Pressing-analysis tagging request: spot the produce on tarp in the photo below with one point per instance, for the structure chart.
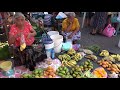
(100, 72)
(4, 51)
(91, 57)
(50, 72)
(109, 66)
(37, 73)
(87, 51)
(116, 57)
(94, 48)
(71, 52)
(87, 65)
(63, 72)
(104, 53)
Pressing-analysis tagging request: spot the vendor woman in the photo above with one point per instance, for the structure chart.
(71, 27)
(21, 27)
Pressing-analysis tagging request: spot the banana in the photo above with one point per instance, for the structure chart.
(22, 47)
(104, 53)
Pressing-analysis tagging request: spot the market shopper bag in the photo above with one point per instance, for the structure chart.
(109, 31)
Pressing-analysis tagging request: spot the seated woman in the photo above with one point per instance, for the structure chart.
(21, 27)
(71, 27)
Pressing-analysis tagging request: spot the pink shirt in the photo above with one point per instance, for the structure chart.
(15, 30)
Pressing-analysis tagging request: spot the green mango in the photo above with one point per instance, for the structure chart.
(63, 72)
(74, 75)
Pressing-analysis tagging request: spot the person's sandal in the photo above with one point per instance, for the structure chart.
(92, 33)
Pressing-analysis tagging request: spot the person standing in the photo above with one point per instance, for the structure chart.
(99, 21)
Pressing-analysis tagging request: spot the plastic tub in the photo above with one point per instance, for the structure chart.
(58, 41)
(53, 33)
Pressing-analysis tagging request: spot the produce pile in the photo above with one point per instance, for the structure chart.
(4, 50)
(63, 72)
(71, 58)
(79, 64)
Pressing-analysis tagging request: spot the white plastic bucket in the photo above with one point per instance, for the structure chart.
(49, 46)
(58, 40)
(53, 33)
(58, 48)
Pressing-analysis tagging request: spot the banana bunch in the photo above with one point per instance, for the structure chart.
(110, 58)
(71, 52)
(86, 51)
(22, 47)
(64, 57)
(104, 53)
(118, 65)
(116, 57)
(91, 57)
(77, 57)
(70, 63)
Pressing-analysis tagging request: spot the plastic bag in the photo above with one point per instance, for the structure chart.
(109, 31)
(22, 43)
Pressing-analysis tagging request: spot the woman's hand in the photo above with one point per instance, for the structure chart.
(30, 35)
(70, 36)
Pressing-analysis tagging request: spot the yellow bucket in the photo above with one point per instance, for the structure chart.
(6, 66)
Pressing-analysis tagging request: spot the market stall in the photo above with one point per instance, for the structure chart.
(65, 60)
(87, 62)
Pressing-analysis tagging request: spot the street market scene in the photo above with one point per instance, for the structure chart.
(59, 44)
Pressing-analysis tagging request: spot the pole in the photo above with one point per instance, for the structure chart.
(83, 19)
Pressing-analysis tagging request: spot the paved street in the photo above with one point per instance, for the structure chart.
(109, 44)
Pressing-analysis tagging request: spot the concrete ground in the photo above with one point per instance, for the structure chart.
(110, 44)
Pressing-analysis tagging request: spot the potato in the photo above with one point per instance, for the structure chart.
(47, 72)
(114, 66)
(50, 76)
(108, 68)
(113, 69)
(50, 70)
(54, 75)
(100, 63)
(104, 66)
(104, 63)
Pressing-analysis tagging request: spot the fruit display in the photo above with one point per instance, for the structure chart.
(71, 52)
(26, 76)
(116, 57)
(87, 65)
(76, 57)
(91, 57)
(109, 66)
(118, 65)
(87, 51)
(63, 72)
(88, 74)
(4, 50)
(109, 58)
(70, 63)
(100, 73)
(94, 48)
(104, 53)
(76, 72)
(50, 72)
(37, 73)
(64, 57)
